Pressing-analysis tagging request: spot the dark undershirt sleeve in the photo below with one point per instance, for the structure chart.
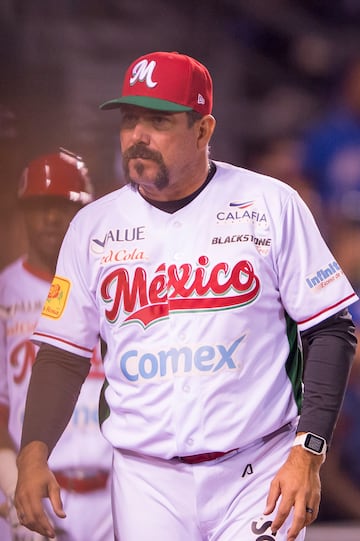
(55, 384)
(329, 350)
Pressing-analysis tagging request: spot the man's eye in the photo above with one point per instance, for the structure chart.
(160, 120)
(128, 120)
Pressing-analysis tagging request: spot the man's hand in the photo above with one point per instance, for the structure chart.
(4, 509)
(298, 484)
(18, 532)
(35, 482)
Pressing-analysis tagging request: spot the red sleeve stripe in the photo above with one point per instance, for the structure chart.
(61, 340)
(353, 295)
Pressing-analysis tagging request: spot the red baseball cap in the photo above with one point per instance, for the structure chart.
(166, 81)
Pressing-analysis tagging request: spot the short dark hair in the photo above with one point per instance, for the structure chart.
(193, 116)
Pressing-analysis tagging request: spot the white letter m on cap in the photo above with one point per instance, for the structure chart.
(143, 71)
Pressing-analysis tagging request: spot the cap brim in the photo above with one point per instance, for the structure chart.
(146, 102)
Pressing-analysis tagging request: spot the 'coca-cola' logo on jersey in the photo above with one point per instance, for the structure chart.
(178, 288)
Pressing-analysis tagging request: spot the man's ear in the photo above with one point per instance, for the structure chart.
(206, 128)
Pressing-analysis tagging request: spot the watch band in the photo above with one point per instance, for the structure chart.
(311, 442)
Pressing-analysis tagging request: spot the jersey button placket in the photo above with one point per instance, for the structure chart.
(177, 254)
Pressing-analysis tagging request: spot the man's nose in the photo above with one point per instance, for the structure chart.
(140, 133)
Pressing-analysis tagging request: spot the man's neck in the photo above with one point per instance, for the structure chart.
(184, 187)
(177, 204)
(40, 265)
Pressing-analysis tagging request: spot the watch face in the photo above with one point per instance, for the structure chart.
(314, 443)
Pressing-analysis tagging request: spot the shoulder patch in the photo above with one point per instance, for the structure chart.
(57, 297)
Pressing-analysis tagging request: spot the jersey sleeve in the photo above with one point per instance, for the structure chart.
(4, 391)
(312, 284)
(69, 317)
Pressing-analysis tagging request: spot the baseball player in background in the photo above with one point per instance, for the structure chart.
(199, 276)
(53, 188)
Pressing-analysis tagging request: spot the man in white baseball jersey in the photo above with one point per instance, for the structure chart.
(53, 188)
(198, 276)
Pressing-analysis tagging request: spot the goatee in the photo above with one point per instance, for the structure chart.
(139, 150)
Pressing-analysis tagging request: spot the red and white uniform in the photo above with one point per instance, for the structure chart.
(82, 450)
(199, 309)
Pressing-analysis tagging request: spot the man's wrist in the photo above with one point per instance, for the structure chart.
(312, 443)
(36, 450)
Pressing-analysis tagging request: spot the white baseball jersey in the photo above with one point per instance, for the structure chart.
(22, 296)
(200, 310)
(82, 446)
(5, 534)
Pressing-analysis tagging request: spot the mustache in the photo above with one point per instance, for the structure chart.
(142, 151)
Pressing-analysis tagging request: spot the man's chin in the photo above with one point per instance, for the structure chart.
(160, 183)
(139, 175)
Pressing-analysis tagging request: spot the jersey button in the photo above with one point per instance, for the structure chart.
(186, 388)
(190, 441)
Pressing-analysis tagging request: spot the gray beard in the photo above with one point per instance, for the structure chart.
(161, 182)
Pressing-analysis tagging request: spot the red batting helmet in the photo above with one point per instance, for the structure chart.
(61, 174)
